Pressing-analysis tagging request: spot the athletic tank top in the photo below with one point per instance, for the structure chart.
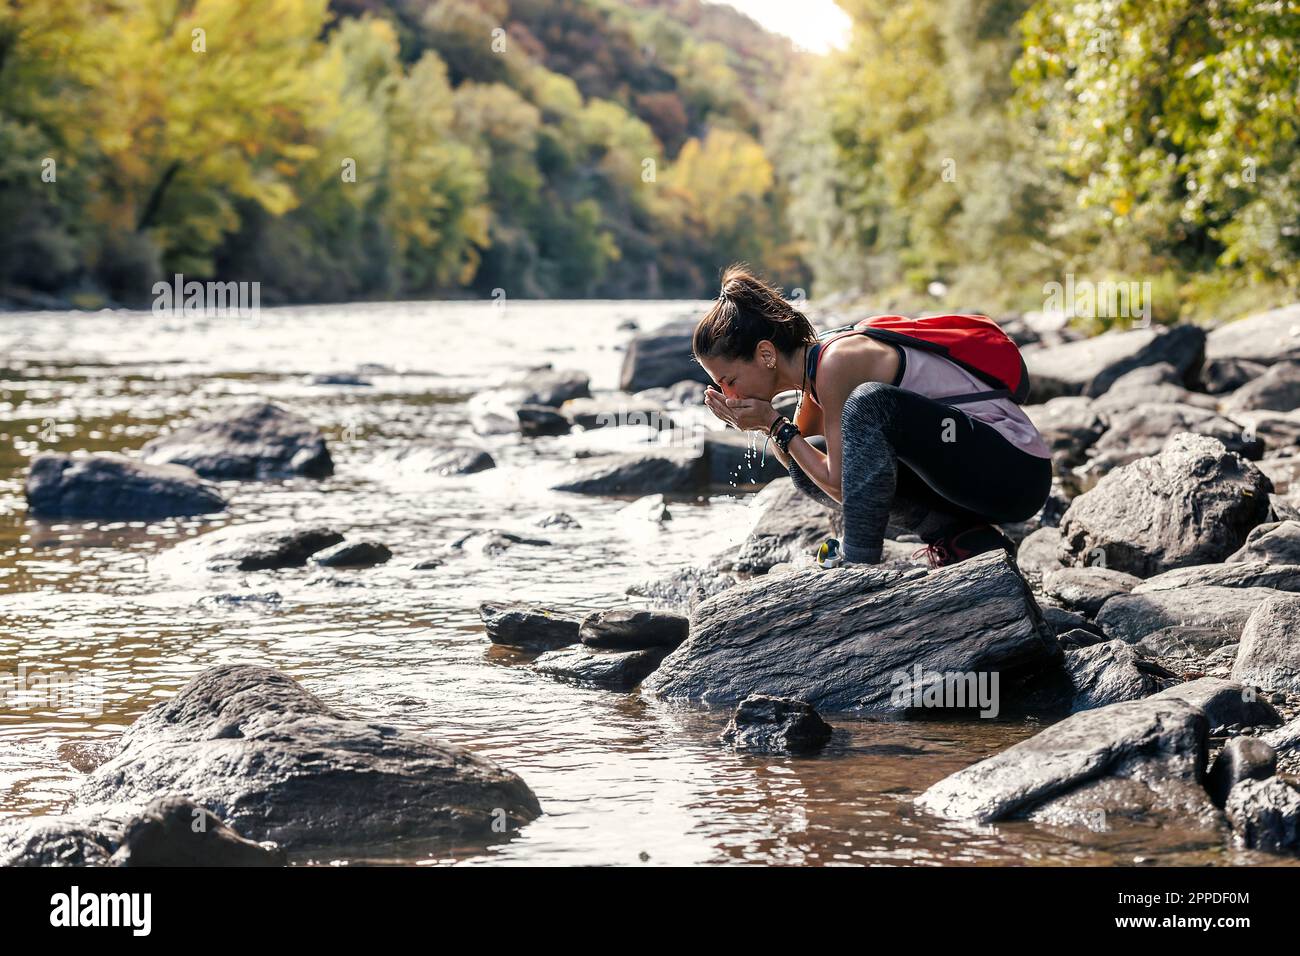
(933, 376)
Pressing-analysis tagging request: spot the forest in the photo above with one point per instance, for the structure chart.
(956, 151)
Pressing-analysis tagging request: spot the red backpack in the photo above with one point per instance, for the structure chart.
(974, 342)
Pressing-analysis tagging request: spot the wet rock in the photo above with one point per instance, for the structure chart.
(557, 519)
(1144, 430)
(1266, 337)
(846, 639)
(1040, 553)
(1060, 621)
(661, 358)
(1090, 366)
(611, 670)
(1182, 642)
(85, 755)
(263, 546)
(1086, 589)
(1242, 758)
(1225, 703)
(552, 387)
(736, 458)
(536, 421)
(492, 543)
(64, 840)
(1270, 650)
(678, 395)
(1284, 508)
(1276, 543)
(1284, 472)
(1284, 739)
(107, 485)
(1069, 424)
(445, 461)
(257, 600)
(790, 525)
(1247, 574)
(528, 625)
(615, 411)
(1131, 617)
(260, 440)
(174, 831)
(1154, 743)
(638, 630)
(354, 554)
(1265, 815)
(1194, 503)
(429, 564)
(1107, 674)
(274, 762)
(633, 474)
(775, 725)
(683, 589)
(1278, 389)
(649, 508)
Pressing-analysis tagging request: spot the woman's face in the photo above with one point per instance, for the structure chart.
(742, 378)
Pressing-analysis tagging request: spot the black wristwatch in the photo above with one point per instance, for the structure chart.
(786, 434)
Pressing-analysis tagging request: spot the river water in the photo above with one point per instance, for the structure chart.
(622, 780)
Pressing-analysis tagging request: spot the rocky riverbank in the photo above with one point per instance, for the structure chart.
(1148, 617)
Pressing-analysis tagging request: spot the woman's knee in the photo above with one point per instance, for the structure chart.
(871, 404)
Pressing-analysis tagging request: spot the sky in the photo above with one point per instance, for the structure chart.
(816, 25)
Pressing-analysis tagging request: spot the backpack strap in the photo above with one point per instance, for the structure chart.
(815, 355)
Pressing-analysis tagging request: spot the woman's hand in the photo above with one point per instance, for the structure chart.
(747, 414)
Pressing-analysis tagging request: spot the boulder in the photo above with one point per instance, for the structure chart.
(1242, 758)
(1159, 384)
(1277, 389)
(776, 725)
(1086, 589)
(529, 626)
(1283, 472)
(112, 486)
(1220, 376)
(70, 839)
(633, 474)
(445, 461)
(1144, 753)
(1266, 337)
(683, 589)
(611, 670)
(1131, 617)
(1225, 703)
(262, 546)
(1269, 655)
(1245, 574)
(1265, 815)
(174, 831)
(551, 387)
(1194, 503)
(661, 358)
(678, 395)
(1040, 553)
(1183, 642)
(1069, 424)
(633, 630)
(1144, 430)
(274, 762)
(353, 554)
(1090, 366)
(858, 637)
(536, 421)
(1278, 431)
(259, 440)
(1284, 739)
(1276, 543)
(1107, 673)
(790, 525)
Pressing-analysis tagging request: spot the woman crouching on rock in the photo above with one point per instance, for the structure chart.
(920, 423)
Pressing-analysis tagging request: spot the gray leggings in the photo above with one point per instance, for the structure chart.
(916, 463)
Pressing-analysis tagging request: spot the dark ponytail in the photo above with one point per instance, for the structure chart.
(746, 312)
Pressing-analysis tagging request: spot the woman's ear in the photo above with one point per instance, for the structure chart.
(765, 354)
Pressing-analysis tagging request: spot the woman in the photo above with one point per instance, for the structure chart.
(894, 452)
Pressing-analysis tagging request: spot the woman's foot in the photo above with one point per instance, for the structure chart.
(960, 545)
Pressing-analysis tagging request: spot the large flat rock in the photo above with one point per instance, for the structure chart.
(1266, 337)
(112, 486)
(847, 639)
(258, 440)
